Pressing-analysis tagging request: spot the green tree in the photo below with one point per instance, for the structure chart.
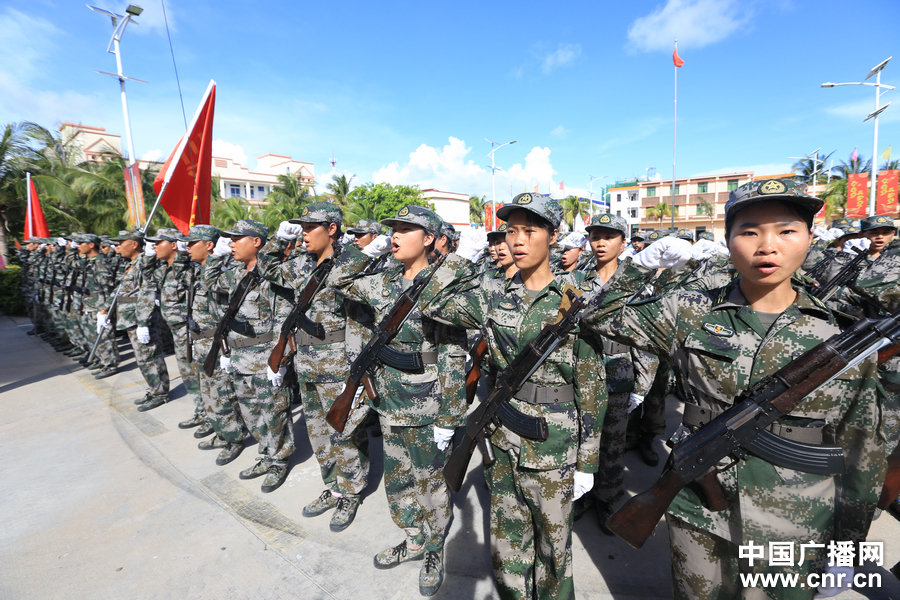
(379, 201)
(476, 209)
(229, 211)
(339, 188)
(572, 207)
(660, 212)
(804, 168)
(708, 208)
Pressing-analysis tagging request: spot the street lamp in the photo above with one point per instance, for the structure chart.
(592, 178)
(814, 157)
(493, 188)
(876, 71)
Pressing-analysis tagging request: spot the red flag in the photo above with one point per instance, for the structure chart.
(886, 195)
(677, 59)
(562, 185)
(856, 195)
(187, 174)
(35, 223)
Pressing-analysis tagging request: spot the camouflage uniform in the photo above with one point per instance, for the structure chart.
(408, 404)
(95, 286)
(265, 409)
(531, 482)
(719, 347)
(134, 309)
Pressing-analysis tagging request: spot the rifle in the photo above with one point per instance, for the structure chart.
(297, 317)
(377, 351)
(190, 313)
(843, 277)
(890, 491)
(110, 312)
(742, 429)
(479, 349)
(244, 286)
(496, 407)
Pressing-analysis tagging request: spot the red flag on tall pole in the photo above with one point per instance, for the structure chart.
(675, 58)
(35, 223)
(184, 182)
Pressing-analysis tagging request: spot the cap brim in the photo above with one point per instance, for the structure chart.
(589, 227)
(392, 222)
(504, 211)
(806, 203)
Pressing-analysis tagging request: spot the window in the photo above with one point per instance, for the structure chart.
(700, 209)
(633, 213)
(618, 197)
(651, 191)
(252, 192)
(618, 213)
(702, 187)
(676, 189)
(732, 185)
(234, 191)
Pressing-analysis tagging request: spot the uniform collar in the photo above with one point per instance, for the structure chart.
(514, 284)
(731, 296)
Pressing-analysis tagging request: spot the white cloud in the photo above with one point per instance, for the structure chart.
(450, 169)
(859, 109)
(559, 131)
(562, 56)
(694, 23)
(26, 42)
(228, 150)
(154, 155)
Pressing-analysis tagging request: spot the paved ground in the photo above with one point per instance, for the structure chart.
(101, 501)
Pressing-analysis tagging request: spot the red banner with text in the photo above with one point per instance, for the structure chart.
(886, 195)
(857, 184)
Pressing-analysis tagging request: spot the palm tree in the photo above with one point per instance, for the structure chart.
(806, 167)
(476, 210)
(101, 187)
(228, 212)
(851, 167)
(290, 190)
(708, 208)
(572, 207)
(339, 189)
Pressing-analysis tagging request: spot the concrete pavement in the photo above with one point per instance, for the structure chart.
(101, 501)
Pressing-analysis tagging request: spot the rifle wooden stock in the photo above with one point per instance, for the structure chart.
(340, 410)
(888, 352)
(277, 354)
(474, 373)
(891, 488)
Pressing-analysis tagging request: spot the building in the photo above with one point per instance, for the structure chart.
(452, 207)
(624, 201)
(89, 143)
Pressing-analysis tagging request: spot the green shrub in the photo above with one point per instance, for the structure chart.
(11, 302)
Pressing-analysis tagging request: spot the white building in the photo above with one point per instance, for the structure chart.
(236, 180)
(625, 202)
(452, 207)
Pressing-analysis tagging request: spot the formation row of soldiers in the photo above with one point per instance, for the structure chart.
(672, 305)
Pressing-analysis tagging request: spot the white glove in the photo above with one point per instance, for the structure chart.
(101, 322)
(181, 246)
(842, 576)
(443, 437)
(276, 379)
(73, 244)
(222, 247)
(836, 233)
(472, 244)
(583, 484)
(634, 400)
(378, 247)
(723, 248)
(665, 253)
(822, 233)
(628, 251)
(704, 249)
(289, 231)
(225, 364)
(347, 238)
(143, 335)
(861, 243)
(150, 249)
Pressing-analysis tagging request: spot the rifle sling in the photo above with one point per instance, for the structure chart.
(695, 416)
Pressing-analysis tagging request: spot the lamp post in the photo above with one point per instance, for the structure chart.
(876, 71)
(494, 147)
(592, 178)
(814, 157)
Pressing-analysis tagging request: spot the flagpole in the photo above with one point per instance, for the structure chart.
(29, 227)
(674, 141)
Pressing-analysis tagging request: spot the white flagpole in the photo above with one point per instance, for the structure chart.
(29, 227)
(674, 140)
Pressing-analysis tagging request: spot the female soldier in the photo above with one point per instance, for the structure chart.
(506, 265)
(724, 340)
(417, 418)
(532, 483)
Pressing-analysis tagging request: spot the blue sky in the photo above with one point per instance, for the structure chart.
(407, 92)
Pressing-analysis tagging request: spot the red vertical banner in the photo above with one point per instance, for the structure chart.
(134, 195)
(857, 184)
(488, 217)
(886, 194)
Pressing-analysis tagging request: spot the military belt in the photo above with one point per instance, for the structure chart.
(203, 334)
(125, 300)
(331, 337)
(246, 342)
(538, 394)
(695, 416)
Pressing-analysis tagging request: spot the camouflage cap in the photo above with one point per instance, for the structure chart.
(248, 227)
(416, 215)
(166, 234)
(366, 226)
(572, 241)
(543, 206)
(639, 235)
(655, 235)
(203, 233)
(104, 240)
(320, 212)
(685, 234)
(842, 223)
(449, 230)
(875, 222)
(851, 230)
(500, 232)
(87, 238)
(706, 235)
(129, 234)
(608, 221)
(785, 190)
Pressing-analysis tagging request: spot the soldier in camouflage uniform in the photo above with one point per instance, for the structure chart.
(263, 401)
(172, 279)
(506, 265)
(95, 292)
(134, 292)
(364, 232)
(724, 340)
(417, 416)
(206, 308)
(321, 361)
(533, 484)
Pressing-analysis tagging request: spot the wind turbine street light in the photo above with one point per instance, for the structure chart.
(876, 71)
(494, 148)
